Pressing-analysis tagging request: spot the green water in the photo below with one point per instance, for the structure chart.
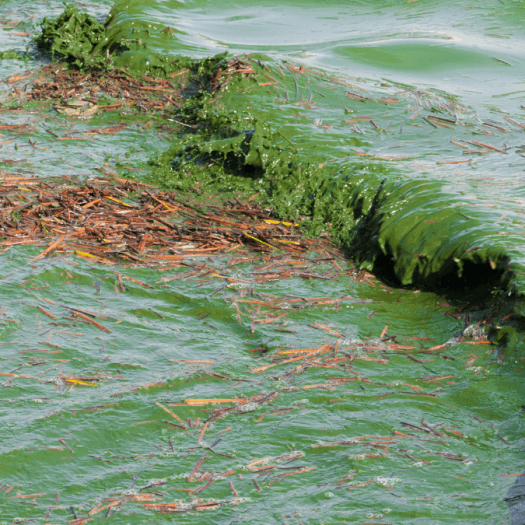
(139, 351)
(426, 55)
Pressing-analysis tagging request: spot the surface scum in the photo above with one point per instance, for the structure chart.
(235, 361)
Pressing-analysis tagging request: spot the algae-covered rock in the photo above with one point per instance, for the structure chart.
(418, 234)
(410, 229)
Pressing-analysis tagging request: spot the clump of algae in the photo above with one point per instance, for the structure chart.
(75, 37)
(86, 44)
(236, 152)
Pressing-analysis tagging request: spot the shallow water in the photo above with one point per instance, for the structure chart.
(434, 54)
(478, 404)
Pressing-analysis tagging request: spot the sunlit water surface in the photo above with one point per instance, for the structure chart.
(463, 60)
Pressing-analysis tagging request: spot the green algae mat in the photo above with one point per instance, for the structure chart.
(261, 275)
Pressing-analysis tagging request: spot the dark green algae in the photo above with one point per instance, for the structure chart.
(412, 233)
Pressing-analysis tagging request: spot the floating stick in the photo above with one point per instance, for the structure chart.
(172, 414)
(91, 321)
(49, 249)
